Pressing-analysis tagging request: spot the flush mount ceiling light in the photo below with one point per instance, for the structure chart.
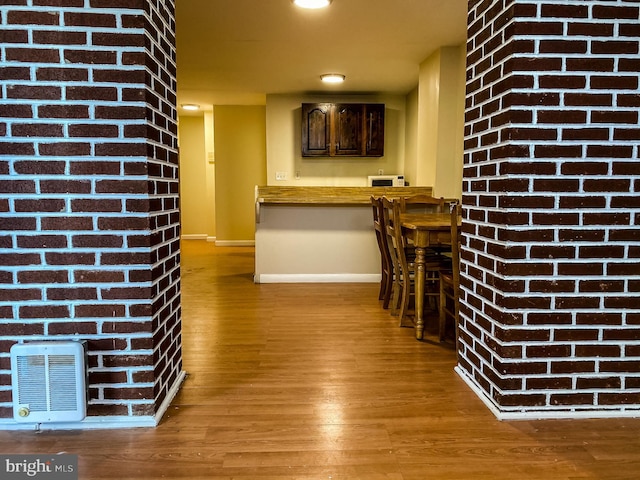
(332, 78)
(190, 106)
(312, 3)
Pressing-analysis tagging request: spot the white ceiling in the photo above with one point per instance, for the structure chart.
(237, 51)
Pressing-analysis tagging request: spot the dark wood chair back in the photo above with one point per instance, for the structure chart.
(422, 204)
(386, 264)
(396, 252)
(450, 280)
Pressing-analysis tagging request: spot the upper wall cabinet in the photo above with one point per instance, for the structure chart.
(342, 129)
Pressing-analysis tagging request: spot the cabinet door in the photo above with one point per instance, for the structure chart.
(374, 128)
(347, 122)
(347, 129)
(316, 129)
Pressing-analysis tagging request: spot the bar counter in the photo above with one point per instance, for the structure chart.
(318, 234)
(331, 195)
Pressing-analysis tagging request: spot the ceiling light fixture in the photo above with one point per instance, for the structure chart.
(190, 106)
(332, 78)
(312, 3)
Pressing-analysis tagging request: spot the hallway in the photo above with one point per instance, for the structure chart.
(290, 381)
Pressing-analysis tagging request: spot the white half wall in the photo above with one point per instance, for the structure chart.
(316, 244)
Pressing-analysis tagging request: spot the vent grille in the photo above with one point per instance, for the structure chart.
(49, 381)
(32, 378)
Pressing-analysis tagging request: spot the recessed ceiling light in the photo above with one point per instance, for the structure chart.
(312, 3)
(332, 78)
(190, 106)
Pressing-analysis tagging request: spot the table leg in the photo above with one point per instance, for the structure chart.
(419, 300)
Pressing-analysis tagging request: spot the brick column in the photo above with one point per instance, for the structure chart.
(89, 223)
(551, 309)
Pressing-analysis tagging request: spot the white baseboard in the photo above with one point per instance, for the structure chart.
(219, 243)
(173, 391)
(235, 243)
(103, 423)
(198, 236)
(317, 278)
(89, 423)
(547, 414)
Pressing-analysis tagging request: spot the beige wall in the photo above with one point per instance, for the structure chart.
(193, 174)
(284, 147)
(240, 155)
(448, 182)
(441, 121)
(428, 109)
(411, 138)
(211, 174)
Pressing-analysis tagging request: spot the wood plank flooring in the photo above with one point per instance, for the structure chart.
(318, 382)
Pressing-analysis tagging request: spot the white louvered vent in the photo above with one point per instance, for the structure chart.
(49, 382)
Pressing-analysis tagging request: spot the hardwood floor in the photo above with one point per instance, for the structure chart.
(318, 382)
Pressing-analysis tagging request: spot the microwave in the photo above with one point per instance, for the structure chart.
(385, 180)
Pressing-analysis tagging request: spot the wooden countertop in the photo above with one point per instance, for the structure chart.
(273, 195)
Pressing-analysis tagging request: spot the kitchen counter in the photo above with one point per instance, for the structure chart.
(318, 234)
(331, 195)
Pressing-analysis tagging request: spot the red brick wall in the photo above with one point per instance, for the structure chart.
(551, 309)
(162, 133)
(89, 222)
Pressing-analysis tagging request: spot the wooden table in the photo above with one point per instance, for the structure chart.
(424, 230)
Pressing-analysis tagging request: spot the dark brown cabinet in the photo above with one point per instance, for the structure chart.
(342, 129)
